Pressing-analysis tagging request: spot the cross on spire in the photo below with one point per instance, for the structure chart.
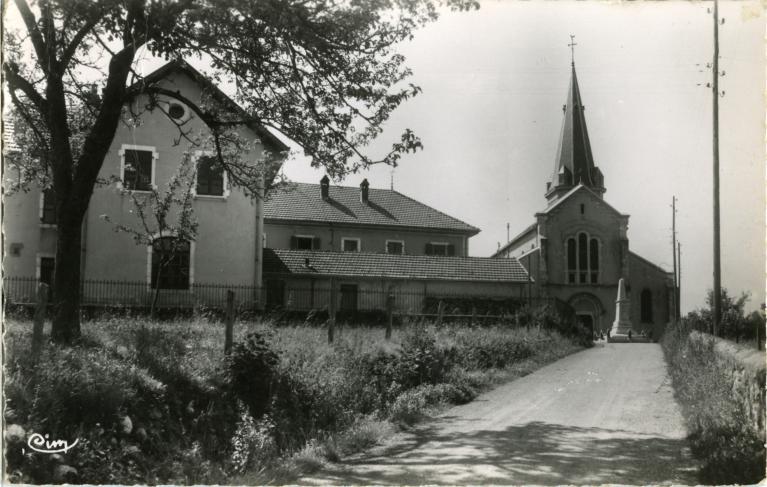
(572, 49)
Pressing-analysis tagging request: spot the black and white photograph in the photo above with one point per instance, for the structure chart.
(383, 242)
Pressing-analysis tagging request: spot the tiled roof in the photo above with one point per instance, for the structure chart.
(303, 202)
(391, 266)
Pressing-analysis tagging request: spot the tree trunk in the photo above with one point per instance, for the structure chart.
(66, 284)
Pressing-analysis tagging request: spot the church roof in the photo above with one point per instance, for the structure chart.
(581, 187)
(575, 163)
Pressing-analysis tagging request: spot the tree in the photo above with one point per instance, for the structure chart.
(323, 73)
(166, 219)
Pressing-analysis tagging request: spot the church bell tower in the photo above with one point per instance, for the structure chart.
(574, 164)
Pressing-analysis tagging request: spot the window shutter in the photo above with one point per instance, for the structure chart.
(450, 250)
(429, 249)
(316, 243)
(293, 242)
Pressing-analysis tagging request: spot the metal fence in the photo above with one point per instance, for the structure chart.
(349, 298)
(130, 294)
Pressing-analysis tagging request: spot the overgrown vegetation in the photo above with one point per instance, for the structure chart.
(158, 402)
(723, 403)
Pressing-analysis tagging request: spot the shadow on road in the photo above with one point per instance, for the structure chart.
(533, 453)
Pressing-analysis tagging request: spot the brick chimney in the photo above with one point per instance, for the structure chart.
(364, 185)
(325, 187)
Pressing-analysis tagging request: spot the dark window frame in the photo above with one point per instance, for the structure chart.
(175, 259)
(139, 176)
(48, 207)
(211, 177)
(401, 244)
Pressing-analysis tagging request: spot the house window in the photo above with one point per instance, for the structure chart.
(348, 297)
(170, 263)
(582, 255)
(395, 247)
(211, 179)
(645, 299)
(304, 242)
(440, 248)
(48, 207)
(350, 244)
(176, 111)
(138, 167)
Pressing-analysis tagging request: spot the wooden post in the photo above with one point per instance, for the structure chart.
(39, 320)
(332, 311)
(229, 336)
(440, 312)
(389, 314)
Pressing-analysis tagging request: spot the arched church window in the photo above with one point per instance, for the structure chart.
(594, 260)
(572, 265)
(646, 306)
(582, 259)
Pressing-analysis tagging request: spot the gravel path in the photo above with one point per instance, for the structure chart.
(604, 415)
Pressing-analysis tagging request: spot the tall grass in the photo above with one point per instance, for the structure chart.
(157, 402)
(723, 404)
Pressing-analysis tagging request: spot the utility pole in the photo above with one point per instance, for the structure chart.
(679, 281)
(717, 251)
(673, 253)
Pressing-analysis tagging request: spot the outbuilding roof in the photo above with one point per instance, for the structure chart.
(303, 202)
(393, 266)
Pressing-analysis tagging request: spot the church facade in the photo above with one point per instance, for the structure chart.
(577, 249)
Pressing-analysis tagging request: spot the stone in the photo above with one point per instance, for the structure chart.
(122, 351)
(126, 425)
(64, 474)
(14, 433)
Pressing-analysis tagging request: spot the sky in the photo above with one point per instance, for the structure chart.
(494, 82)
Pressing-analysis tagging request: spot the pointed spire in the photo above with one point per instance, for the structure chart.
(574, 164)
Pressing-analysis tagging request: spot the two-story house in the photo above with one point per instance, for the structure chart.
(143, 156)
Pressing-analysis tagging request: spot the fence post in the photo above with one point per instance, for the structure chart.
(332, 311)
(389, 314)
(440, 311)
(229, 334)
(473, 314)
(39, 320)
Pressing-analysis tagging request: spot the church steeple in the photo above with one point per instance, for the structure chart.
(574, 163)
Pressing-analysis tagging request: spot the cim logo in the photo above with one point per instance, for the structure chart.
(42, 445)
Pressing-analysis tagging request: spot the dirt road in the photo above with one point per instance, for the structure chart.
(604, 415)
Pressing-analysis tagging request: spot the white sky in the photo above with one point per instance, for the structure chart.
(494, 82)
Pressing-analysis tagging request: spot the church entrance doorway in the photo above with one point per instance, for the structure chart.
(586, 321)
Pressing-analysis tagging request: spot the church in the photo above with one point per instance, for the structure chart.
(577, 249)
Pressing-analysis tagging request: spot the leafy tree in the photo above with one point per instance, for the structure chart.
(323, 73)
(735, 323)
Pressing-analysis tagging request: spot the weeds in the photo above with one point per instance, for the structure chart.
(718, 396)
(159, 403)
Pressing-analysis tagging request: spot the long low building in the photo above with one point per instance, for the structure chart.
(302, 280)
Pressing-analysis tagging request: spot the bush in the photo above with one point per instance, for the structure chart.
(722, 404)
(421, 360)
(253, 371)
